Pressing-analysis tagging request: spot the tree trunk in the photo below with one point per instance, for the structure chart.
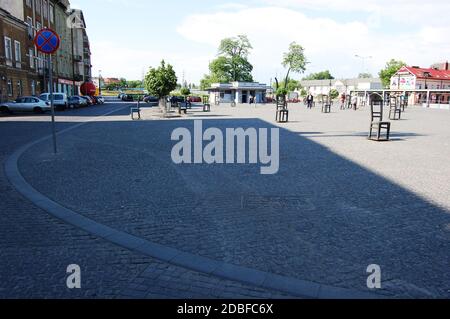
(287, 79)
(163, 105)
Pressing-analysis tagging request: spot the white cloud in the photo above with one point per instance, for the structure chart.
(118, 60)
(328, 43)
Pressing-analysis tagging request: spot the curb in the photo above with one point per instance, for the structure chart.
(265, 280)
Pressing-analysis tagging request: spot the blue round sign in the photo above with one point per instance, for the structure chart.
(47, 41)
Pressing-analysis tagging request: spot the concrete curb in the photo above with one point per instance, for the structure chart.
(291, 286)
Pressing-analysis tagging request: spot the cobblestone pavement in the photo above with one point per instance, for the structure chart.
(35, 249)
(338, 204)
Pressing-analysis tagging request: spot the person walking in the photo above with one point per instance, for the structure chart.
(310, 100)
(343, 98)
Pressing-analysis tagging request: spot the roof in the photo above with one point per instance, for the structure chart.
(423, 73)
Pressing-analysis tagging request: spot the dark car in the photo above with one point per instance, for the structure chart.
(77, 102)
(153, 100)
(127, 98)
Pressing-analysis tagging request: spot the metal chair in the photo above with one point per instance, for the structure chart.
(394, 109)
(136, 110)
(377, 123)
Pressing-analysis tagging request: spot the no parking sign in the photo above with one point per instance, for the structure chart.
(47, 41)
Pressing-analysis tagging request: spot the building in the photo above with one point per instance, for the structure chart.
(17, 75)
(24, 70)
(239, 92)
(419, 80)
(323, 87)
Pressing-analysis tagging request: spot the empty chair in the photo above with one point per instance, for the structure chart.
(395, 112)
(377, 123)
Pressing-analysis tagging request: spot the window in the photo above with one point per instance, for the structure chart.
(18, 54)
(52, 13)
(30, 26)
(37, 4)
(19, 88)
(10, 88)
(31, 56)
(8, 51)
(45, 9)
(28, 3)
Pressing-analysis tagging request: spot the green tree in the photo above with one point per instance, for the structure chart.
(365, 76)
(334, 94)
(232, 63)
(324, 75)
(295, 61)
(291, 86)
(388, 72)
(161, 81)
(185, 91)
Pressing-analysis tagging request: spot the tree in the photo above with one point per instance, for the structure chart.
(388, 72)
(324, 75)
(232, 63)
(161, 81)
(291, 86)
(334, 94)
(185, 91)
(295, 61)
(365, 76)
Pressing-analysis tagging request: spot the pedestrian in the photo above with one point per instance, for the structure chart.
(355, 102)
(343, 98)
(310, 100)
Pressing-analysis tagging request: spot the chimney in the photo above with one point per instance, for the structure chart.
(446, 66)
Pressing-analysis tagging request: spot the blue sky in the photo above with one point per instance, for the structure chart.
(129, 36)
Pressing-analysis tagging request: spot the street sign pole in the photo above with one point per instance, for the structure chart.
(52, 104)
(47, 41)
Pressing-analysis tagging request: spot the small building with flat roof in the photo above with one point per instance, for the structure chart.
(239, 92)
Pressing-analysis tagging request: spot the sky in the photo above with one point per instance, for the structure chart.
(127, 37)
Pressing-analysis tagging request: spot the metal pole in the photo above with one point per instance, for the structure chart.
(52, 103)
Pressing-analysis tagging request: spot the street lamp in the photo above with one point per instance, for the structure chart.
(363, 58)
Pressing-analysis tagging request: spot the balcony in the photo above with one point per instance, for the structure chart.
(77, 58)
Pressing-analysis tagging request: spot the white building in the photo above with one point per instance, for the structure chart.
(239, 92)
(323, 87)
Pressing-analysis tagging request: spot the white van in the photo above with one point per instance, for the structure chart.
(60, 100)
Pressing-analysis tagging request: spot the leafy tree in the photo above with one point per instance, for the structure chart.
(334, 94)
(324, 75)
(185, 91)
(295, 61)
(161, 81)
(365, 76)
(232, 63)
(388, 72)
(303, 92)
(122, 82)
(291, 86)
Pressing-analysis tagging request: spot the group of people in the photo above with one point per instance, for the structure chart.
(309, 101)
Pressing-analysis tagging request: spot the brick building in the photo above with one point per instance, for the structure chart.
(23, 70)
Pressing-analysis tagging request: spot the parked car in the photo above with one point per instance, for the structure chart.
(88, 100)
(77, 102)
(60, 100)
(194, 99)
(127, 98)
(120, 95)
(151, 99)
(99, 99)
(25, 104)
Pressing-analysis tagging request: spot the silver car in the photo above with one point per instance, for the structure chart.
(25, 104)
